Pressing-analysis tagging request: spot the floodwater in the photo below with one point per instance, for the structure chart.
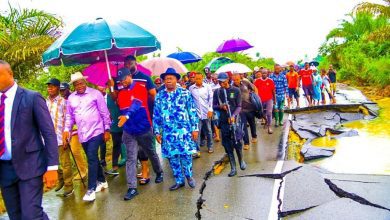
(368, 153)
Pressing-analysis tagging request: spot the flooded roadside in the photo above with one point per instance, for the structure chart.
(363, 149)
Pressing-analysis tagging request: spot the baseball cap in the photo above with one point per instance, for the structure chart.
(64, 85)
(222, 77)
(54, 82)
(122, 73)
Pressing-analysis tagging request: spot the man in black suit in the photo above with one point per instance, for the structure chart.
(28, 148)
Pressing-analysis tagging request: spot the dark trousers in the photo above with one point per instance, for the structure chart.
(248, 117)
(103, 151)
(227, 140)
(116, 148)
(205, 129)
(95, 171)
(22, 198)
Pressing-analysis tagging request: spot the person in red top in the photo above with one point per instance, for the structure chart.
(306, 76)
(293, 88)
(266, 89)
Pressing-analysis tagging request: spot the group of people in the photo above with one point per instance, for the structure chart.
(180, 113)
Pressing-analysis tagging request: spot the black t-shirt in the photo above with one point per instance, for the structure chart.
(233, 98)
(332, 76)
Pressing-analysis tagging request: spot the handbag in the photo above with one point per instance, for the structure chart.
(256, 102)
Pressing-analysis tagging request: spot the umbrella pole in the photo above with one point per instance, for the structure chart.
(108, 70)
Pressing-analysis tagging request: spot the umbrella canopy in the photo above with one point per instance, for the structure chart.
(289, 63)
(89, 42)
(234, 68)
(158, 65)
(97, 73)
(233, 45)
(314, 63)
(185, 57)
(217, 62)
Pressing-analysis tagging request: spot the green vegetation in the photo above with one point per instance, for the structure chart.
(237, 57)
(24, 35)
(360, 47)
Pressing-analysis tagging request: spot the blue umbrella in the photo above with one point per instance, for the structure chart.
(100, 40)
(314, 63)
(185, 57)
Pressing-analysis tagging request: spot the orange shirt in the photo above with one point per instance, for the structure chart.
(265, 88)
(292, 79)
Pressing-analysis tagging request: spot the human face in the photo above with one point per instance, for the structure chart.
(224, 84)
(198, 79)
(291, 68)
(53, 90)
(131, 65)
(192, 79)
(64, 93)
(278, 69)
(331, 67)
(80, 86)
(6, 77)
(264, 74)
(237, 80)
(170, 82)
(306, 66)
(128, 80)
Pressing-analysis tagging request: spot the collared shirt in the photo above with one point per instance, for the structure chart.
(208, 82)
(90, 113)
(203, 97)
(57, 109)
(215, 86)
(280, 85)
(9, 101)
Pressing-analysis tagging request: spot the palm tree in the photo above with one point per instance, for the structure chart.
(382, 34)
(357, 26)
(375, 9)
(24, 35)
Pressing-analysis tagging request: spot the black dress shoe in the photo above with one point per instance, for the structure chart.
(159, 178)
(131, 193)
(176, 186)
(191, 182)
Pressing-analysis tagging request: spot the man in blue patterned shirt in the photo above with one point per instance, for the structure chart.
(280, 82)
(175, 124)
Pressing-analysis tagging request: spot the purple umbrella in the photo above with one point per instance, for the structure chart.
(233, 45)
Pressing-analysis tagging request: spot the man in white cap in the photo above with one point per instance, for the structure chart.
(87, 109)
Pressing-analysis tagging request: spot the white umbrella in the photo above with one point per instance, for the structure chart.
(234, 68)
(158, 65)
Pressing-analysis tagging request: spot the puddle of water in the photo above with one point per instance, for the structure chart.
(368, 153)
(326, 141)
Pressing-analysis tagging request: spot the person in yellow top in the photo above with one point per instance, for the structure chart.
(293, 86)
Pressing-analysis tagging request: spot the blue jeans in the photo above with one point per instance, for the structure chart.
(205, 124)
(95, 171)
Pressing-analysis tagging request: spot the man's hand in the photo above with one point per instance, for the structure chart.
(195, 135)
(122, 120)
(224, 107)
(159, 138)
(106, 136)
(210, 115)
(110, 83)
(65, 146)
(297, 89)
(231, 120)
(65, 137)
(50, 178)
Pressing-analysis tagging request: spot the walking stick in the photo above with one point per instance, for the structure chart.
(75, 162)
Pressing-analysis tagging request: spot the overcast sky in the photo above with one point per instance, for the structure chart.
(282, 29)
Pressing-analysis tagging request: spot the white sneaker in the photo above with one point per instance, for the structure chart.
(89, 196)
(101, 185)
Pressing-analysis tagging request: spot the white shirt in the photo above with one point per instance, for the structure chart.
(9, 101)
(203, 97)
